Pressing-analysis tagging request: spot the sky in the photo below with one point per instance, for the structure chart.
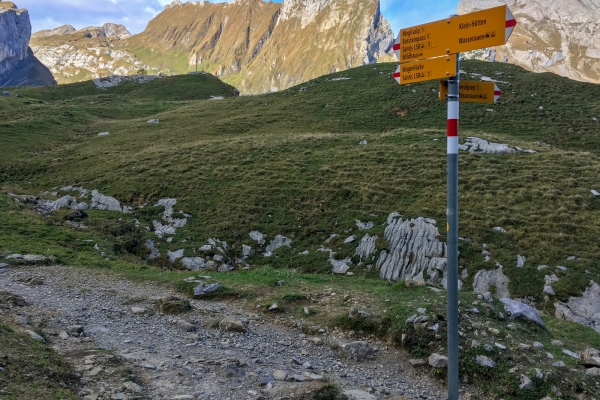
(135, 14)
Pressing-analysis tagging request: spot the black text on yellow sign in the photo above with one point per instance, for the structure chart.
(476, 30)
(426, 70)
(473, 92)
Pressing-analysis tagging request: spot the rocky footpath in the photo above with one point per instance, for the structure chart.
(18, 65)
(131, 340)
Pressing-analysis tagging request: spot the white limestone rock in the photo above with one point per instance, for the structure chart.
(175, 255)
(520, 310)
(102, 202)
(193, 263)
(484, 279)
(414, 249)
(584, 310)
(278, 242)
(259, 237)
(366, 247)
(482, 146)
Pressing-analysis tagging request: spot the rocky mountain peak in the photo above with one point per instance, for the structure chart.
(18, 65)
(560, 36)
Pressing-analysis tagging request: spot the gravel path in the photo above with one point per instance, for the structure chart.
(110, 330)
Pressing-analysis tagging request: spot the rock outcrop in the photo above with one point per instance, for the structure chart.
(18, 65)
(584, 310)
(559, 36)
(414, 252)
(260, 46)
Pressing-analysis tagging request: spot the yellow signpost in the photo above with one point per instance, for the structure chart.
(425, 70)
(472, 31)
(473, 92)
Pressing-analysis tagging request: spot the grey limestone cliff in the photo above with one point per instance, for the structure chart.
(18, 65)
(560, 36)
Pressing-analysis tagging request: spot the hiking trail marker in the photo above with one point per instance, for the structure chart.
(426, 70)
(486, 28)
(473, 92)
(425, 52)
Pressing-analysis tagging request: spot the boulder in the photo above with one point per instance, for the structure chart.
(438, 361)
(102, 202)
(173, 305)
(339, 266)
(523, 311)
(259, 237)
(230, 324)
(590, 358)
(193, 263)
(175, 255)
(204, 289)
(358, 350)
(483, 280)
(35, 336)
(278, 242)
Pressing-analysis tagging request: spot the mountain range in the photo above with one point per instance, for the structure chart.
(253, 45)
(559, 36)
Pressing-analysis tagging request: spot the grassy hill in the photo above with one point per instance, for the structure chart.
(290, 163)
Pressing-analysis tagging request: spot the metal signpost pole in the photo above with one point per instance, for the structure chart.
(452, 228)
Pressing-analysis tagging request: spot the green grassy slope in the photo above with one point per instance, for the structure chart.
(290, 163)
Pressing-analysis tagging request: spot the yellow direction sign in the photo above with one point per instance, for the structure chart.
(473, 92)
(426, 70)
(487, 28)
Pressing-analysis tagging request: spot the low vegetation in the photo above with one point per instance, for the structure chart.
(290, 163)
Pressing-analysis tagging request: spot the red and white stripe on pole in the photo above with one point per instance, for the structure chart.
(453, 105)
(396, 74)
(397, 46)
(511, 22)
(497, 93)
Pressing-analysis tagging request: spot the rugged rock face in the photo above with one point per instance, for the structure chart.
(18, 65)
(560, 36)
(254, 45)
(584, 310)
(414, 250)
(92, 52)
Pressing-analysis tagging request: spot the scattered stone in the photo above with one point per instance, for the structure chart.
(557, 343)
(266, 380)
(204, 289)
(21, 320)
(591, 358)
(417, 362)
(363, 142)
(549, 290)
(541, 267)
(525, 347)
(474, 344)
(350, 239)
(317, 341)
(438, 361)
(488, 347)
(185, 325)
(230, 324)
(5, 93)
(279, 375)
(485, 361)
(520, 261)
(520, 310)
(550, 355)
(363, 226)
(175, 255)
(359, 350)
(571, 354)
(193, 263)
(132, 387)
(562, 268)
(538, 346)
(63, 335)
(559, 364)
(481, 146)
(273, 307)
(104, 134)
(500, 346)
(4, 266)
(138, 310)
(595, 371)
(278, 242)
(499, 229)
(526, 383)
(153, 121)
(35, 336)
